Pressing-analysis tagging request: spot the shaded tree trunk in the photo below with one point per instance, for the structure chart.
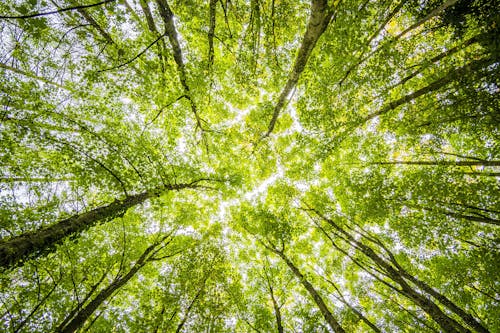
(321, 15)
(327, 314)
(15, 250)
(447, 323)
(81, 317)
(353, 309)
(170, 30)
(451, 76)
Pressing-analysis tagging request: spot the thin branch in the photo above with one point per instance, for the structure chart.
(56, 11)
(134, 58)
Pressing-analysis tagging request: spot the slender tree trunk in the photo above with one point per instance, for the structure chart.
(79, 305)
(81, 317)
(16, 250)
(451, 76)
(170, 30)
(447, 163)
(353, 309)
(193, 301)
(321, 15)
(211, 31)
(447, 323)
(332, 322)
(438, 57)
(276, 307)
(467, 318)
(277, 313)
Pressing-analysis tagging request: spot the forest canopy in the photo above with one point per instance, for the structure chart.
(249, 166)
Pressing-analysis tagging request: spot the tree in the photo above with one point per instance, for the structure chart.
(319, 165)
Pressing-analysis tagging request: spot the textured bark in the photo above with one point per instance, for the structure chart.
(211, 32)
(81, 317)
(447, 323)
(149, 17)
(170, 30)
(327, 314)
(15, 250)
(445, 163)
(451, 76)
(321, 15)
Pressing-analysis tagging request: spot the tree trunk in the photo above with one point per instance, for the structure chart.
(319, 19)
(447, 323)
(447, 163)
(467, 318)
(332, 322)
(276, 307)
(104, 294)
(170, 30)
(16, 250)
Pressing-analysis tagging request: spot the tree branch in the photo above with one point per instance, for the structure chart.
(56, 11)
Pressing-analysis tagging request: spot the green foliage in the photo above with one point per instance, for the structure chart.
(389, 143)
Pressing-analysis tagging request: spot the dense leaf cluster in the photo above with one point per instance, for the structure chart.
(249, 166)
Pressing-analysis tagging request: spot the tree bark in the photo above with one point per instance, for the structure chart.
(276, 307)
(16, 250)
(211, 32)
(451, 76)
(327, 314)
(319, 19)
(170, 30)
(82, 316)
(447, 323)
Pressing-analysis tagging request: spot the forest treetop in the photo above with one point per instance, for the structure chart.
(259, 165)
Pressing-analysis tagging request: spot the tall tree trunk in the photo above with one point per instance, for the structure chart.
(185, 317)
(276, 307)
(16, 250)
(170, 30)
(447, 323)
(321, 15)
(81, 317)
(353, 309)
(332, 322)
(467, 318)
(451, 76)
(447, 163)
(211, 31)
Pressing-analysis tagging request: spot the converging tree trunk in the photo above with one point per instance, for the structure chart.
(327, 314)
(81, 317)
(30, 244)
(321, 15)
(396, 273)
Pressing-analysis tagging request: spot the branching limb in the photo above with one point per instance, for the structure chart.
(57, 11)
